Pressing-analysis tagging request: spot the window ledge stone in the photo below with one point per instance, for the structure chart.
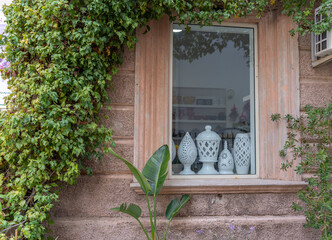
(217, 186)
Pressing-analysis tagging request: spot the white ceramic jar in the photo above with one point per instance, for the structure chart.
(208, 149)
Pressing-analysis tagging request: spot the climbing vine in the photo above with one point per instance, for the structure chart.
(309, 140)
(63, 54)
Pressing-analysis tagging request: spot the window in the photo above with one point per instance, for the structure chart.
(276, 91)
(213, 85)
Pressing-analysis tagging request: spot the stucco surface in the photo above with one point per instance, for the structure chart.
(110, 164)
(316, 94)
(128, 60)
(207, 228)
(306, 69)
(94, 196)
(120, 121)
(125, 81)
(305, 41)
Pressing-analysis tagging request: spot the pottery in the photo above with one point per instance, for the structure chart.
(226, 162)
(187, 154)
(173, 150)
(242, 153)
(208, 149)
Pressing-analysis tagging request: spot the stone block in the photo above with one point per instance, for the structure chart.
(316, 94)
(305, 41)
(306, 69)
(240, 204)
(111, 165)
(94, 196)
(128, 60)
(120, 121)
(123, 90)
(207, 228)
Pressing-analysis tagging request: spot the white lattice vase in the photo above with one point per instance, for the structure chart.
(242, 153)
(208, 149)
(187, 153)
(226, 162)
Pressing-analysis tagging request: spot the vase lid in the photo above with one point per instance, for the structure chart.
(208, 135)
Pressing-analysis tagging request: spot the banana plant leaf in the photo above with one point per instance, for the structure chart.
(137, 174)
(132, 210)
(175, 206)
(155, 170)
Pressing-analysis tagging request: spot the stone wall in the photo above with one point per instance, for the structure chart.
(83, 211)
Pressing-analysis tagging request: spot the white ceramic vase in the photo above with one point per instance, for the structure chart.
(208, 149)
(226, 162)
(242, 153)
(187, 154)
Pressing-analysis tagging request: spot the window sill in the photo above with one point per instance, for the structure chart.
(321, 61)
(217, 186)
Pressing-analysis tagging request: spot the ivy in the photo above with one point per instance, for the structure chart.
(309, 140)
(63, 54)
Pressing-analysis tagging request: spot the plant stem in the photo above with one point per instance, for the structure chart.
(146, 234)
(155, 214)
(164, 236)
(150, 215)
(13, 226)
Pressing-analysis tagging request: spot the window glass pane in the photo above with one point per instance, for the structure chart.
(213, 100)
(324, 45)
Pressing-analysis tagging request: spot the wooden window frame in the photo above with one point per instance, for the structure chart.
(277, 92)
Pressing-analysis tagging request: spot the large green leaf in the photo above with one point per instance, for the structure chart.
(137, 174)
(132, 210)
(175, 206)
(155, 170)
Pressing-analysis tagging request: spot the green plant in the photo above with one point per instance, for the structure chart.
(63, 54)
(309, 140)
(151, 180)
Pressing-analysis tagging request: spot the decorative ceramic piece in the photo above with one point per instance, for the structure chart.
(226, 162)
(177, 168)
(187, 154)
(242, 153)
(173, 150)
(173, 156)
(208, 148)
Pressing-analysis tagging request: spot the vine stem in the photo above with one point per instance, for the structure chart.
(13, 226)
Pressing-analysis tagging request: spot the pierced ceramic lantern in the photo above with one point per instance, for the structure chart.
(187, 154)
(208, 148)
(226, 162)
(242, 153)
